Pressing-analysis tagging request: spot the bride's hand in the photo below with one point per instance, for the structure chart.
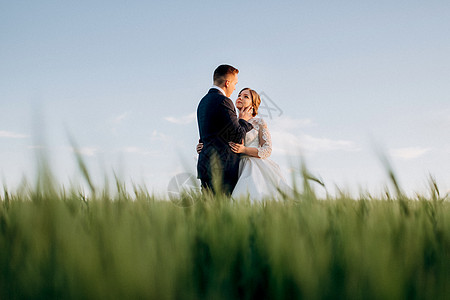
(199, 147)
(237, 148)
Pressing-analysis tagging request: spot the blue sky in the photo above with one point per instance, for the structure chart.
(125, 78)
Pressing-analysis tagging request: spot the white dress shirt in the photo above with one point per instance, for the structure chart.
(220, 89)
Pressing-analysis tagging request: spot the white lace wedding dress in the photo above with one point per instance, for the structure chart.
(259, 177)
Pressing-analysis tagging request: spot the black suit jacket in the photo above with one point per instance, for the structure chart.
(218, 125)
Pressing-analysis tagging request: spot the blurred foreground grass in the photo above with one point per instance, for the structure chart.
(60, 243)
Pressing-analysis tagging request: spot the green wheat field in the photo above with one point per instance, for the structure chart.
(66, 243)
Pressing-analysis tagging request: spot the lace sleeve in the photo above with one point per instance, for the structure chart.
(265, 141)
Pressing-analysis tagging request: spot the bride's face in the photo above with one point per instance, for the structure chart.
(244, 99)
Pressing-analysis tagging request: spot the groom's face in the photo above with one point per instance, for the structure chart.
(231, 82)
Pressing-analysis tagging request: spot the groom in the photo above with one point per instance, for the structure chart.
(218, 125)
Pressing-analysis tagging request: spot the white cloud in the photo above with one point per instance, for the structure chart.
(121, 117)
(159, 136)
(294, 144)
(12, 135)
(139, 150)
(36, 147)
(324, 144)
(116, 121)
(287, 123)
(87, 151)
(440, 115)
(182, 120)
(409, 152)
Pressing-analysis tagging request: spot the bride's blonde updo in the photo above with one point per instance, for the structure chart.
(256, 100)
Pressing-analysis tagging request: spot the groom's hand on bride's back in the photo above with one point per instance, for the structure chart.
(246, 113)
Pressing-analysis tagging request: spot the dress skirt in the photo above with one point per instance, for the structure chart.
(259, 179)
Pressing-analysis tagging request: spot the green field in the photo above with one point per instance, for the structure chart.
(57, 242)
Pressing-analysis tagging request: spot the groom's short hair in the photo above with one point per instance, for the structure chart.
(221, 73)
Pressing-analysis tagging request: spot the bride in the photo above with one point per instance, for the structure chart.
(259, 177)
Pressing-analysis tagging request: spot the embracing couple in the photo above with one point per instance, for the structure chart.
(234, 149)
